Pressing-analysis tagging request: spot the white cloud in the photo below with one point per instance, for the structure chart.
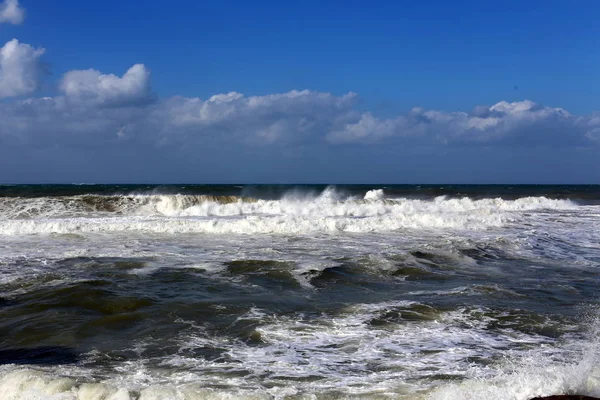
(367, 129)
(91, 86)
(523, 121)
(282, 117)
(295, 118)
(19, 68)
(293, 104)
(11, 12)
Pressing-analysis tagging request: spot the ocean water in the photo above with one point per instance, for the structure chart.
(298, 292)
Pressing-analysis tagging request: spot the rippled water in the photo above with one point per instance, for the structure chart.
(307, 292)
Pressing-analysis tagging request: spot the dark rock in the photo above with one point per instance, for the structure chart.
(566, 397)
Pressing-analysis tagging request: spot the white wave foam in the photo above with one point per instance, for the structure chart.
(376, 194)
(343, 352)
(31, 384)
(358, 356)
(247, 225)
(351, 357)
(329, 204)
(324, 213)
(537, 374)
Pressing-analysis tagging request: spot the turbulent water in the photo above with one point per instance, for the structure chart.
(298, 292)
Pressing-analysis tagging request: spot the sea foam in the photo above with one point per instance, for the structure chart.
(327, 212)
(342, 349)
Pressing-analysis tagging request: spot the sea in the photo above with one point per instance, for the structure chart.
(159, 292)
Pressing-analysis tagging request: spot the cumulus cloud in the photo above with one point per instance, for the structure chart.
(93, 87)
(11, 12)
(19, 68)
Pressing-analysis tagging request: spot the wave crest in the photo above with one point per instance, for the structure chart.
(86, 205)
(326, 212)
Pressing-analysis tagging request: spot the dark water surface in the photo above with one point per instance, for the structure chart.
(306, 291)
(584, 193)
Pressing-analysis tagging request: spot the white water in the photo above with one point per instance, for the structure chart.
(327, 212)
(343, 349)
(357, 361)
(536, 374)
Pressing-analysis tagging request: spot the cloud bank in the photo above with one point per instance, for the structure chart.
(97, 108)
(521, 122)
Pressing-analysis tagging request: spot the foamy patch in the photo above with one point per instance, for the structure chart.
(29, 384)
(539, 372)
(371, 351)
(377, 348)
(327, 212)
(284, 224)
(329, 202)
(536, 375)
(538, 381)
(374, 195)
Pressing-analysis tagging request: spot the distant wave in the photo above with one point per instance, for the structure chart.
(86, 205)
(329, 211)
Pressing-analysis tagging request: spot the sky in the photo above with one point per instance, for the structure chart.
(299, 92)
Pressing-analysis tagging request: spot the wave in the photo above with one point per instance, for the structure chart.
(207, 205)
(134, 204)
(329, 211)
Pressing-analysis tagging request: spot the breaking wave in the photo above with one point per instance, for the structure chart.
(135, 204)
(329, 211)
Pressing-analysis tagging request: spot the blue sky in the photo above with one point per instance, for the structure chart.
(232, 91)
